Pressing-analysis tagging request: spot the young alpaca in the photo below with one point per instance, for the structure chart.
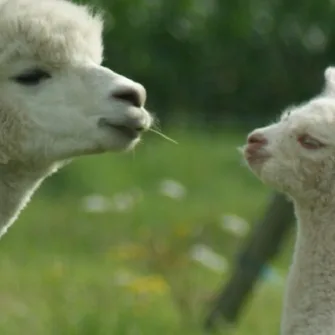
(56, 101)
(296, 156)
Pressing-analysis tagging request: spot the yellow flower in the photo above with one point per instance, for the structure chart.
(182, 231)
(130, 251)
(153, 284)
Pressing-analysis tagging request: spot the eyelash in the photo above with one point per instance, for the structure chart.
(32, 77)
(310, 143)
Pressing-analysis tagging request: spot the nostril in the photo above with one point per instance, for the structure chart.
(139, 129)
(257, 138)
(129, 95)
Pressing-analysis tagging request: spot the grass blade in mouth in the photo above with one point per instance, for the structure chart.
(164, 136)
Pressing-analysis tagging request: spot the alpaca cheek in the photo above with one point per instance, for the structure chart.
(10, 135)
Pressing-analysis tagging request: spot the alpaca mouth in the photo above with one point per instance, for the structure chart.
(125, 130)
(128, 132)
(255, 156)
(256, 159)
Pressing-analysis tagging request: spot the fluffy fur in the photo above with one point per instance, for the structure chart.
(73, 107)
(296, 155)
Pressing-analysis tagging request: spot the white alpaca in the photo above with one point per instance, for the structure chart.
(296, 156)
(56, 100)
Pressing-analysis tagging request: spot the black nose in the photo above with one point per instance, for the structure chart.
(133, 96)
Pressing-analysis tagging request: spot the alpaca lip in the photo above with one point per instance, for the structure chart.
(255, 155)
(256, 159)
(126, 131)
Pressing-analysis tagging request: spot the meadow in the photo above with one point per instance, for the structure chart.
(115, 244)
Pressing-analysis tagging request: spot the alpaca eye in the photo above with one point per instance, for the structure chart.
(309, 142)
(32, 77)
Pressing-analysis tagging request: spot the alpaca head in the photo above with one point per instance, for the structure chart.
(296, 155)
(56, 100)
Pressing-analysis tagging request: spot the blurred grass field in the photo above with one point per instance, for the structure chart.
(119, 262)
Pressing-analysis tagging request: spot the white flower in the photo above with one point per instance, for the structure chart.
(95, 203)
(120, 202)
(235, 225)
(208, 258)
(172, 189)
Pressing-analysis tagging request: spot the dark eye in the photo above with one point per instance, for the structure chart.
(309, 142)
(32, 77)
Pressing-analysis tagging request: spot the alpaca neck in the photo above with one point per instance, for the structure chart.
(309, 306)
(17, 184)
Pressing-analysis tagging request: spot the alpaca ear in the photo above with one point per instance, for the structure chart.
(329, 75)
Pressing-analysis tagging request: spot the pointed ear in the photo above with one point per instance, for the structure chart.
(329, 75)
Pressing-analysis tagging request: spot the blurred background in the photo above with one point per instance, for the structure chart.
(139, 243)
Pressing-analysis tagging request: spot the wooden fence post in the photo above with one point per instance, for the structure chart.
(263, 243)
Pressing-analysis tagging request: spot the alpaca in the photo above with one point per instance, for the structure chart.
(296, 156)
(56, 100)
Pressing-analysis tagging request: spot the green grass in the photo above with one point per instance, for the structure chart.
(63, 270)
